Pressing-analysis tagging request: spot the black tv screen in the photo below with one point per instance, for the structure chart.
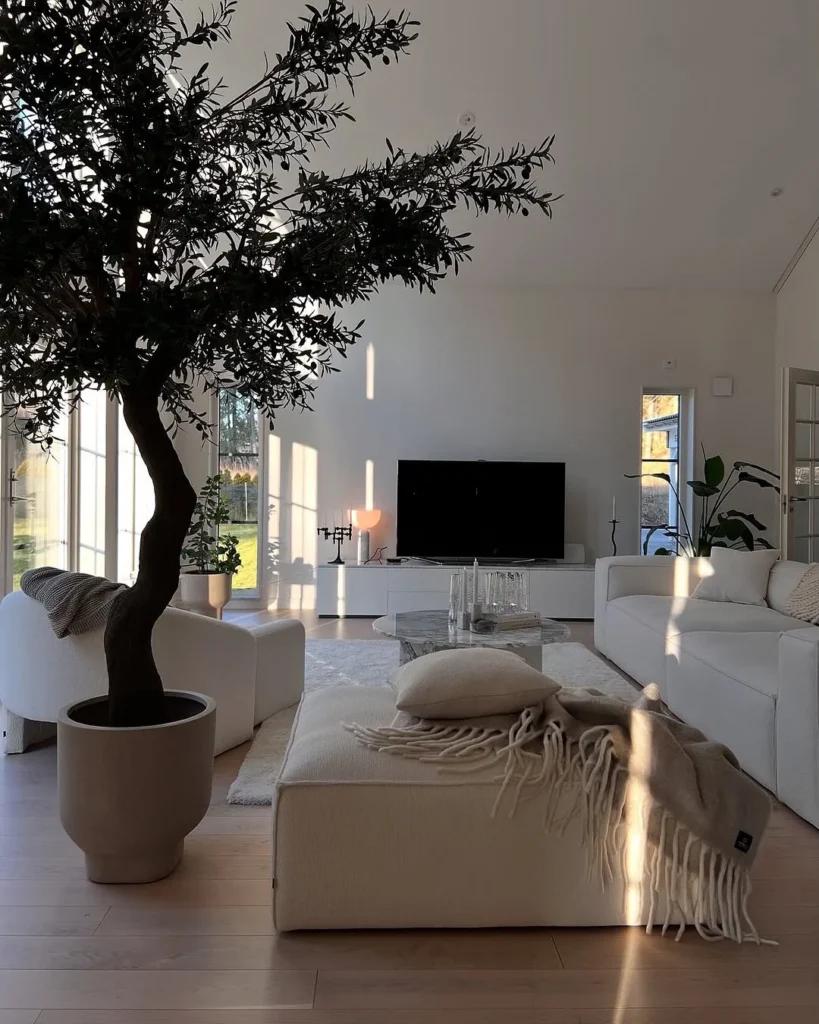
(487, 510)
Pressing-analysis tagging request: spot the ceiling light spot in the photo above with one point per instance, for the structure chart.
(777, 192)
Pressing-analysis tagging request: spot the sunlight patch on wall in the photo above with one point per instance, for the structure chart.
(341, 592)
(303, 519)
(369, 484)
(274, 504)
(370, 372)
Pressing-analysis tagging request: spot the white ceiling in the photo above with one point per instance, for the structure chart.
(674, 120)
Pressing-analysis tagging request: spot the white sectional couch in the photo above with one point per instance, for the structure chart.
(747, 676)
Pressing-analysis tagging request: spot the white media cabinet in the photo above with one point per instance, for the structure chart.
(564, 590)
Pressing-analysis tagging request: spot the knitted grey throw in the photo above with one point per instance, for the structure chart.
(75, 602)
(657, 801)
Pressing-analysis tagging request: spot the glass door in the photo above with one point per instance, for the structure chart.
(800, 465)
(240, 468)
(36, 500)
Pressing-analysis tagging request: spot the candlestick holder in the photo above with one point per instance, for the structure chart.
(338, 534)
(614, 523)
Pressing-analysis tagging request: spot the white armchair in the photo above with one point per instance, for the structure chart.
(250, 673)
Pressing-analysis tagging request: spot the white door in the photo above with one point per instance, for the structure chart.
(800, 465)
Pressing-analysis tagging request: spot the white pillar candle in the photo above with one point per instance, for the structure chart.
(475, 601)
(463, 590)
(614, 506)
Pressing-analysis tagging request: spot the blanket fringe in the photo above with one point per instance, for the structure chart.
(684, 876)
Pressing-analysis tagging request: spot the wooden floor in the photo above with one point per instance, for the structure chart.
(199, 947)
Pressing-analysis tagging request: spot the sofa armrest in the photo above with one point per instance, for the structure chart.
(629, 575)
(797, 722)
(279, 666)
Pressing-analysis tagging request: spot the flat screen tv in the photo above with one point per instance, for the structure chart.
(457, 511)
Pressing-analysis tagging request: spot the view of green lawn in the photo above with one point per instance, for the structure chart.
(248, 536)
(25, 531)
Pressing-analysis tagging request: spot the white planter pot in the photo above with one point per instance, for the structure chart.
(205, 592)
(129, 796)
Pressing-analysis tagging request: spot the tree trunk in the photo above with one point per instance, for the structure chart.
(135, 693)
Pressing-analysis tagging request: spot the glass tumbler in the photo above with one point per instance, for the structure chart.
(454, 596)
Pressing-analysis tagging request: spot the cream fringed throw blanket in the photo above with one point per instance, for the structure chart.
(627, 771)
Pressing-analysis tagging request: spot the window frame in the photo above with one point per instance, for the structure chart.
(256, 598)
(685, 452)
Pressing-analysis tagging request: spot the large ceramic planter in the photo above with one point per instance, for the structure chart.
(128, 797)
(205, 592)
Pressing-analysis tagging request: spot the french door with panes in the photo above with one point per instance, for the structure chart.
(36, 500)
(800, 465)
(56, 500)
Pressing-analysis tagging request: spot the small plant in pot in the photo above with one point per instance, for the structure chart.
(163, 232)
(207, 586)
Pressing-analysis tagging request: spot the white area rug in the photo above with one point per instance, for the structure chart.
(371, 663)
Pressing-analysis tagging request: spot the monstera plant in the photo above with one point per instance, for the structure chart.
(714, 523)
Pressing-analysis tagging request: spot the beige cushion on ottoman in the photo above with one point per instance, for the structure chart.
(367, 840)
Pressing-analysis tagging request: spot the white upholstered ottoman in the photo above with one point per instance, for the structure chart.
(369, 840)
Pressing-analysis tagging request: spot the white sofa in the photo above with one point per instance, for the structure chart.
(250, 673)
(747, 676)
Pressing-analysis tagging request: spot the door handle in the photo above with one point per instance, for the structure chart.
(13, 498)
(789, 502)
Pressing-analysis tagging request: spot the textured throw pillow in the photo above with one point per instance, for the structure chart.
(738, 576)
(469, 683)
(804, 601)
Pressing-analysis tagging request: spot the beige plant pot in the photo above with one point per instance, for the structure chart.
(205, 592)
(128, 797)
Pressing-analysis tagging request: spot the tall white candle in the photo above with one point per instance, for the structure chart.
(475, 601)
(614, 506)
(463, 590)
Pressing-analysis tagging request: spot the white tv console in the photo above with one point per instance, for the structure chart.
(564, 590)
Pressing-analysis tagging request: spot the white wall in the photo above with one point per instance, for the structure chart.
(519, 374)
(797, 314)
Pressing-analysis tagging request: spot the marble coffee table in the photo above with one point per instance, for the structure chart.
(424, 632)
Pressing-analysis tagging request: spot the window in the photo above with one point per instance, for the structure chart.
(664, 448)
(240, 468)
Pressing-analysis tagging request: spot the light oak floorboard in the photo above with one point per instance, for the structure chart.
(754, 1015)
(50, 920)
(736, 987)
(170, 891)
(157, 990)
(19, 1016)
(619, 948)
(193, 920)
(425, 950)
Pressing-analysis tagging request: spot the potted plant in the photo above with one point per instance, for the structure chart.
(714, 522)
(206, 588)
(159, 229)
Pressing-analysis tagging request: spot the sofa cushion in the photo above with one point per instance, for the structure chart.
(750, 658)
(726, 710)
(737, 576)
(668, 616)
(784, 579)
